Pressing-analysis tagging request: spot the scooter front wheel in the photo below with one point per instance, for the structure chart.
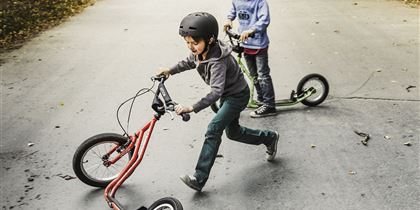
(319, 83)
(91, 159)
(168, 203)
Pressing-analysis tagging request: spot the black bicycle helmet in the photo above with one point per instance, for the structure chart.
(199, 24)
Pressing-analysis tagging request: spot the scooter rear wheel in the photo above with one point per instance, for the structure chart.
(90, 158)
(321, 86)
(168, 203)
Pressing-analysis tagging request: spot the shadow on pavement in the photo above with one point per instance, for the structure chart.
(292, 109)
(128, 196)
(260, 178)
(265, 178)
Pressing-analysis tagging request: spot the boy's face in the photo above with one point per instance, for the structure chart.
(196, 47)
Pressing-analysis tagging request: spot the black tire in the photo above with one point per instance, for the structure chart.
(168, 203)
(97, 145)
(322, 88)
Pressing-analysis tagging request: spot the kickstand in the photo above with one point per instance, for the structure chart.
(293, 95)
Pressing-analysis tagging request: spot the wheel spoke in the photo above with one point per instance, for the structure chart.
(95, 159)
(93, 166)
(96, 154)
(96, 169)
(116, 170)
(92, 163)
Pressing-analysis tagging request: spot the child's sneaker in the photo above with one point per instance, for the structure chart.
(191, 182)
(272, 148)
(263, 111)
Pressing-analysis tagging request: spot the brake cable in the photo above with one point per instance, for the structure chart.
(132, 99)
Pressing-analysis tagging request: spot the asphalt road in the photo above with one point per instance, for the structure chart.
(65, 85)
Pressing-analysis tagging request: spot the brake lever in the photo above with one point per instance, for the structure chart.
(160, 78)
(185, 116)
(170, 113)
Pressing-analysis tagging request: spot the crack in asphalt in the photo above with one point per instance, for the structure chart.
(348, 97)
(374, 98)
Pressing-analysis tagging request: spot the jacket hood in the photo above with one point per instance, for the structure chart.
(217, 52)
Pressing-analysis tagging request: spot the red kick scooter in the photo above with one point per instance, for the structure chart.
(108, 159)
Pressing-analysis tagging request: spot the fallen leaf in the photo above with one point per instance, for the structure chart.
(364, 135)
(66, 177)
(408, 144)
(410, 87)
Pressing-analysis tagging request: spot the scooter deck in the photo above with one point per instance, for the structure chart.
(284, 102)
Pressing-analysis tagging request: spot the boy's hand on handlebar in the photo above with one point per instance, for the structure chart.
(227, 25)
(246, 34)
(163, 72)
(179, 109)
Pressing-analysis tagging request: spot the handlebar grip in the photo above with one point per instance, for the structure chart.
(158, 78)
(234, 35)
(185, 117)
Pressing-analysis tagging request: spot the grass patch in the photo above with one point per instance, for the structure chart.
(21, 20)
(412, 1)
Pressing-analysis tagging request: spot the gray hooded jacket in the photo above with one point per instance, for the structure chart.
(220, 70)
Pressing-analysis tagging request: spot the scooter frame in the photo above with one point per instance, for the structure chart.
(135, 143)
(295, 97)
(135, 146)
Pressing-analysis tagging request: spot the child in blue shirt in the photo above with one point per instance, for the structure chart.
(254, 17)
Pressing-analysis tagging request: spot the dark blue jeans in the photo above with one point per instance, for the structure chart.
(260, 72)
(227, 119)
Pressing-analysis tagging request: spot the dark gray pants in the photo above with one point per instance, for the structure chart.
(227, 118)
(260, 72)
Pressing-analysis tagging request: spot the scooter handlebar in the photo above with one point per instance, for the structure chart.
(234, 35)
(185, 116)
(158, 78)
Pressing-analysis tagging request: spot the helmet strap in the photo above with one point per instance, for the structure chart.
(206, 47)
